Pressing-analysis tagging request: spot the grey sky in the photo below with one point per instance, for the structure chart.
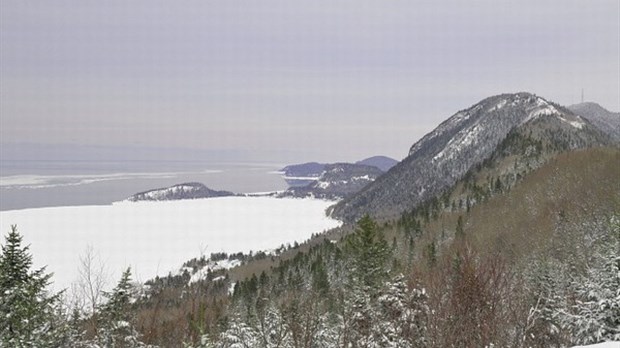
(288, 80)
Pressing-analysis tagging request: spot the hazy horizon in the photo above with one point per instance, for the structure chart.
(282, 81)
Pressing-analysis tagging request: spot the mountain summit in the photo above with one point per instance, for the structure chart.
(464, 140)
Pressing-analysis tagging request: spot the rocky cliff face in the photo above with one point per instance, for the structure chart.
(467, 138)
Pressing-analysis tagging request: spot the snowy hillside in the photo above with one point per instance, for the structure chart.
(467, 138)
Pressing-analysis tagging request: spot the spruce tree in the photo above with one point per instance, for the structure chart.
(28, 313)
(370, 253)
(117, 330)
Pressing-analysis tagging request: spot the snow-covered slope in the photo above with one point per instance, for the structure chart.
(467, 138)
(191, 190)
(482, 126)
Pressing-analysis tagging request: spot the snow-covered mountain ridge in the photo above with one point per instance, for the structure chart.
(488, 121)
(464, 140)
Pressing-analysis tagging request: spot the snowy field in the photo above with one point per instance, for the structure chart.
(157, 237)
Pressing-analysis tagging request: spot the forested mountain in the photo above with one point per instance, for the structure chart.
(465, 140)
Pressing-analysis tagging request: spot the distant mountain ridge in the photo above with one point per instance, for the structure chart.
(190, 190)
(608, 122)
(464, 140)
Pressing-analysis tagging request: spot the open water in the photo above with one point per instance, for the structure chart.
(35, 184)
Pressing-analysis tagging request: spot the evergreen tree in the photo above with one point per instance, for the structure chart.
(402, 316)
(320, 281)
(595, 314)
(579, 307)
(238, 335)
(29, 315)
(460, 233)
(370, 253)
(431, 254)
(117, 330)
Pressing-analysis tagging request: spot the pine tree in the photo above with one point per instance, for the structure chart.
(29, 315)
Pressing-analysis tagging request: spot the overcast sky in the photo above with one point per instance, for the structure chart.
(292, 79)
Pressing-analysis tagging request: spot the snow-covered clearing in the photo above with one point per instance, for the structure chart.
(157, 237)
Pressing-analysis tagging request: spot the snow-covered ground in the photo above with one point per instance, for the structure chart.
(157, 237)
